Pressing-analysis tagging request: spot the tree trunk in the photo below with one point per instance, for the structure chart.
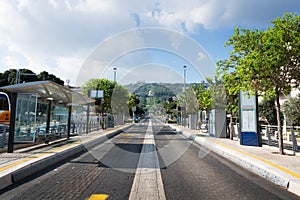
(230, 126)
(280, 139)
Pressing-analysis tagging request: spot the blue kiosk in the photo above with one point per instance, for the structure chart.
(248, 114)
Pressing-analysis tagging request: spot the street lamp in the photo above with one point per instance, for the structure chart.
(115, 74)
(184, 76)
(18, 75)
(184, 85)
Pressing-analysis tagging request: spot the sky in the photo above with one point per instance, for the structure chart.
(145, 40)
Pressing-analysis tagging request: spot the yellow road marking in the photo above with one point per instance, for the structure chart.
(127, 134)
(54, 150)
(263, 160)
(98, 197)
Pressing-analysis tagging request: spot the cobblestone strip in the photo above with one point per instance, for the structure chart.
(147, 182)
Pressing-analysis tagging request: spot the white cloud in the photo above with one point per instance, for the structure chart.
(56, 35)
(201, 56)
(11, 61)
(68, 67)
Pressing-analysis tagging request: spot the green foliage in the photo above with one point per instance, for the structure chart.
(161, 93)
(101, 84)
(46, 76)
(292, 110)
(267, 110)
(266, 62)
(203, 95)
(9, 77)
(120, 100)
(189, 99)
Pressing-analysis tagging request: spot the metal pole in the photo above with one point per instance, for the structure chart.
(87, 118)
(17, 76)
(48, 120)
(69, 122)
(184, 85)
(10, 148)
(115, 74)
(295, 146)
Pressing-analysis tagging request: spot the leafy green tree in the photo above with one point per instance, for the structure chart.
(292, 110)
(101, 84)
(43, 76)
(134, 102)
(268, 62)
(267, 110)
(188, 99)
(120, 100)
(26, 75)
(231, 87)
(203, 94)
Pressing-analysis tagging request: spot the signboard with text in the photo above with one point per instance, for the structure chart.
(96, 94)
(249, 134)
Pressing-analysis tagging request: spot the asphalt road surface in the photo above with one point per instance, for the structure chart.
(187, 172)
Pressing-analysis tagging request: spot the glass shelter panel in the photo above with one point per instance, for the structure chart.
(25, 127)
(59, 118)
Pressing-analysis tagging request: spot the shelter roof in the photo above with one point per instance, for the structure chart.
(49, 89)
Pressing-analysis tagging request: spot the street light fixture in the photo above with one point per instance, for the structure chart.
(184, 85)
(184, 77)
(115, 74)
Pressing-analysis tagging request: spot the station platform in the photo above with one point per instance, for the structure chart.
(283, 170)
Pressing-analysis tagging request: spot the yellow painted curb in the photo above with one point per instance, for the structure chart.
(263, 160)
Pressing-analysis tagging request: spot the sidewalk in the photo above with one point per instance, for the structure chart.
(24, 162)
(283, 170)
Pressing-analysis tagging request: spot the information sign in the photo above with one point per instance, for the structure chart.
(96, 94)
(249, 134)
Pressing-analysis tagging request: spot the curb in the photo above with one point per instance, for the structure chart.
(270, 173)
(35, 167)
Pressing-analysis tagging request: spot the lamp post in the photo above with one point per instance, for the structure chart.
(115, 74)
(184, 85)
(18, 75)
(47, 130)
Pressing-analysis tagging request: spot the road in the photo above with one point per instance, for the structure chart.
(109, 169)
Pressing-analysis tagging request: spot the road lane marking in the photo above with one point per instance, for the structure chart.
(147, 183)
(98, 197)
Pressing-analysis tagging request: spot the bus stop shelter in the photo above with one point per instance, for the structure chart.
(48, 92)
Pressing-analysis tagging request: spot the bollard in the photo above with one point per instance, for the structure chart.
(294, 139)
(269, 136)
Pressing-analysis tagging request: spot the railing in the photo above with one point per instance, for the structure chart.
(269, 133)
(80, 127)
(291, 136)
(77, 128)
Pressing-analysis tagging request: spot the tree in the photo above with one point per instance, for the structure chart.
(268, 62)
(292, 110)
(202, 92)
(134, 102)
(43, 76)
(267, 110)
(26, 75)
(101, 84)
(231, 87)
